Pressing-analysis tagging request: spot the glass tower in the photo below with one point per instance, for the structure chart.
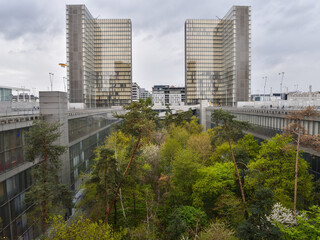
(217, 58)
(99, 59)
(113, 61)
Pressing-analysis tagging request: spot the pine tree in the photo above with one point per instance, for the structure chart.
(228, 129)
(139, 121)
(46, 191)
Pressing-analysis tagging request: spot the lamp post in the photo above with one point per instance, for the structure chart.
(281, 80)
(51, 79)
(64, 83)
(63, 65)
(264, 89)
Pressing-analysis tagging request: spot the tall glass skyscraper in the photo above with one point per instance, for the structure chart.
(99, 59)
(217, 58)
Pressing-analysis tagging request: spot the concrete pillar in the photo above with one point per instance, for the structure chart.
(310, 123)
(54, 108)
(316, 127)
(203, 116)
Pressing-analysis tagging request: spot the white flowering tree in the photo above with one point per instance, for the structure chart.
(281, 214)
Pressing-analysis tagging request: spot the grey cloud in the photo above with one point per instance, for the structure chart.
(285, 37)
(18, 18)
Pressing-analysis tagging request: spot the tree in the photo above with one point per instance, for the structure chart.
(211, 182)
(257, 226)
(201, 145)
(274, 168)
(179, 119)
(168, 151)
(82, 228)
(193, 126)
(246, 149)
(307, 226)
(46, 189)
(187, 221)
(217, 230)
(119, 143)
(230, 129)
(185, 174)
(106, 176)
(281, 215)
(180, 134)
(297, 130)
(140, 120)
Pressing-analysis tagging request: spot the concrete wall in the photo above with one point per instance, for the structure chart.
(54, 108)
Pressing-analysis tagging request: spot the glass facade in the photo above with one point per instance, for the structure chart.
(5, 95)
(11, 149)
(217, 58)
(99, 56)
(203, 59)
(81, 152)
(13, 210)
(83, 126)
(113, 62)
(13, 216)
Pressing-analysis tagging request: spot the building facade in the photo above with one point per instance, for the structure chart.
(99, 59)
(135, 92)
(144, 94)
(217, 58)
(82, 131)
(168, 95)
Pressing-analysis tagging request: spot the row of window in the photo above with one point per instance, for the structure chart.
(80, 127)
(13, 206)
(11, 148)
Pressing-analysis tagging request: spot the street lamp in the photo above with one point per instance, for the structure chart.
(264, 89)
(51, 79)
(64, 83)
(281, 80)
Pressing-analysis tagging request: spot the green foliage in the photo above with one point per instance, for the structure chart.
(140, 119)
(179, 119)
(185, 175)
(46, 193)
(257, 226)
(274, 168)
(142, 232)
(82, 228)
(228, 207)
(193, 126)
(217, 230)
(186, 221)
(184, 117)
(211, 182)
(316, 192)
(168, 151)
(221, 153)
(229, 127)
(168, 170)
(307, 227)
(200, 144)
(119, 143)
(40, 143)
(151, 156)
(246, 149)
(181, 135)
(101, 183)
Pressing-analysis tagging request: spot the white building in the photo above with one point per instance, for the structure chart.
(135, 92)
(144, 94)
(168, 95)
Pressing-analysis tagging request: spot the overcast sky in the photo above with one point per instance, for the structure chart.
(285, 38)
